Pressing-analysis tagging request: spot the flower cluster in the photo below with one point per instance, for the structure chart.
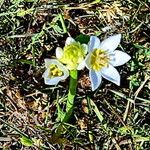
(99, 58)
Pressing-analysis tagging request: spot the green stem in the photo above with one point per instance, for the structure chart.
(72, 89)
(71, 94)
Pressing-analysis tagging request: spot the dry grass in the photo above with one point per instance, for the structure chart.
(30, 32)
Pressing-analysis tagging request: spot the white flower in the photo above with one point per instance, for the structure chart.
(102, 59)
(55, 72)
(72, 55)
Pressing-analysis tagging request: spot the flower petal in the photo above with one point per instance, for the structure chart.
(95, 78)
(111, 74)
(85, 46)
(59, 52)
(49, 81)
(45, 74)
(47, 62)
(87, 61)
(81, 65)
(94, 43)
(69, 40)
(119, 58)
(111, 43)
(54, 80)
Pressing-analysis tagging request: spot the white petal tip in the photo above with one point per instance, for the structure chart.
(111, 43)
(46, 60)
(59, 52)
(118, 83)
(129, 57)
(96, 79)
(119, 35)
(69, 40)
(120, 58)
(111, 74)
(93, 43)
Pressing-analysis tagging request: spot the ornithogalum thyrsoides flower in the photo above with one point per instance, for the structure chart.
(102, 58)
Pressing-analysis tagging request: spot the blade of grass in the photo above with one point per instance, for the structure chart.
(127, 98)
(63, 23)
(126, 111)
(104, 126)
(14, 128)
(97, 112)
(1, 2)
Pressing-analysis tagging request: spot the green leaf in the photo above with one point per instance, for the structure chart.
(67, 115)
(126, 130)
(23, 12)
(29, 0)
(37, 36)
(57, 29)
(24, 61)
(138, 138)
(57, 139)
(82, 38)
(96, 1)
(26, 141)
(60, 114)
(97, 33)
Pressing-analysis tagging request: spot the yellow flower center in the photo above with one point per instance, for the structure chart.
(99, 59)
(55, 71)
(73, 55)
